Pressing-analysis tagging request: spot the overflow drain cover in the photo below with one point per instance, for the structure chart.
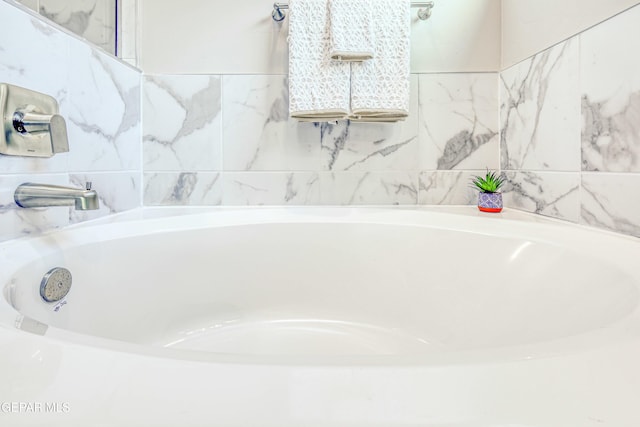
(55, 284)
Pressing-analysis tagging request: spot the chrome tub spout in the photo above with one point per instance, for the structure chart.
(30, 195)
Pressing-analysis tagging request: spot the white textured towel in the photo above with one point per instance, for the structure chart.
(380, 87)
(351, 30)
(318, 86)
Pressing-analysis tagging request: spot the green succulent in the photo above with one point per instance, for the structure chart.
(490, 183)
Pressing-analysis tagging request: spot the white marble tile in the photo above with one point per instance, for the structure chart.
(94, 20)
(610, 88)
(117, 192)
(257, 132)
(356, 146)
(182, 188)
(16, 221)
(39, 63)
(182, 123)
(609, 201)
(104, 120)
(447, 188)
(15, 164)
(540, 111)
(554, 194)
(271, 188)
(459, 126)
(369, 188)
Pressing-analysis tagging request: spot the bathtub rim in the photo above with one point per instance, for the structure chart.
(537, 228)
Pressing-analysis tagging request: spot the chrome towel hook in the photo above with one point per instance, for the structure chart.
(425, 12)
(277, 14)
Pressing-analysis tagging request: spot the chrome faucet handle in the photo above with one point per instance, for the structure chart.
(28, 121)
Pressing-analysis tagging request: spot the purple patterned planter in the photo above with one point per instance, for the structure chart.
(490, 202)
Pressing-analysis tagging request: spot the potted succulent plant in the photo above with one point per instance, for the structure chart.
(489, 198)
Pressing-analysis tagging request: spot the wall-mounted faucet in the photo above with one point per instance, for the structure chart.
(30, 123)
(29, 195)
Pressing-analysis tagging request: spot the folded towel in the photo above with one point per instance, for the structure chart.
(351, 30)
(380, 87)
(318, 87)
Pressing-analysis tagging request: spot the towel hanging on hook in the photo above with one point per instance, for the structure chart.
(318, 86)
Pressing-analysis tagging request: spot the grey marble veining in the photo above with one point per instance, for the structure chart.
(257, 134)
(104, 119)
(447, 188)
(352, 146)
(95, 20)
(359, 146)
(17, 222)
(458, 121)
(182, 188)
(460, 147)
(610, 90)
(540, 111)
(610, 141)
(369, 188)
(40, 62)
(538, 128)
(547, 193)
(359, 163)
(182, 123)
(73, 20)
(271, 188)
(606, 202)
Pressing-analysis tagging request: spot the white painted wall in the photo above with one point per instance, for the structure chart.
(224, 37)
(530, 26)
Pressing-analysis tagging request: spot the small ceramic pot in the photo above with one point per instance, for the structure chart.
(490, 202)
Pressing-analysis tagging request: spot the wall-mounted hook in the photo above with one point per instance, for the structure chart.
(425, 13)
(278, 15)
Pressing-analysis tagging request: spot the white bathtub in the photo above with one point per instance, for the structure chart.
(323, 317)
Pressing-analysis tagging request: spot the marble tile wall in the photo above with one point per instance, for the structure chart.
(570, 128)
(562, 125)
(100, 99)
(210, 140)
(94, 20)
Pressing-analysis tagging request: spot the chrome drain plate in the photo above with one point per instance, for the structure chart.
(55, 285)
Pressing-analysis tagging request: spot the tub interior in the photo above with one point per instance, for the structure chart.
(328, 289)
